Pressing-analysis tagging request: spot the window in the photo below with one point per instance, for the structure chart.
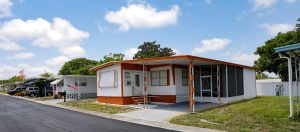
(127, 79)
(185, 77)
(159, 78)
(108, 79)
(82, 82)
(155, 78)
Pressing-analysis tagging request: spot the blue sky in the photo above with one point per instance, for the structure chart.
(40, 36)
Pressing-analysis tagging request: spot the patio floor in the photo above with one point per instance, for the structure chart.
(164, 112)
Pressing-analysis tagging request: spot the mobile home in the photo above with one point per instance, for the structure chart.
(75, 85)
(174, 79)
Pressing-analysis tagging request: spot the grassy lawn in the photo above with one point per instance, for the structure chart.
(259, 114)
(93, 106)
(4, 92)
(43, 98)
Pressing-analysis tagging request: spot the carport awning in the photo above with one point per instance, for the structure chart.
(56, 81)
(288, 50)
(292, 54)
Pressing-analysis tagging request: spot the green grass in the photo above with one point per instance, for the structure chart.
(104, 108)
(43, 98)
(259, 114)
(4, 92)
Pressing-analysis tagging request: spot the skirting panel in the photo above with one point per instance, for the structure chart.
(82, 95)
(114, 100)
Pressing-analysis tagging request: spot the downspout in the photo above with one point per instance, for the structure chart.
(290, 82)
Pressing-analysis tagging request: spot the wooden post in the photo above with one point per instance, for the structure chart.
(218, 82)
(191, 85)
(145, 84)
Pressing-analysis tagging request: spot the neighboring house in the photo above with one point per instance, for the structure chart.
(168, 80)
(275, 87)
(69, 84)
(30, 82)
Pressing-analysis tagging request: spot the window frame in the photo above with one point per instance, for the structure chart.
(159, 78)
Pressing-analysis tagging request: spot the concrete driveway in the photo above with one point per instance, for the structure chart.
(164, 112)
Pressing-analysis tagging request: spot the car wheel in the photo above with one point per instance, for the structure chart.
(31, 94)
(49, 94)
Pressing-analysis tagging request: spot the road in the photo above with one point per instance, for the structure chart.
(17, 115)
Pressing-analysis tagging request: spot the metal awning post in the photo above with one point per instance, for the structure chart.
(290, 70)
(297, 90)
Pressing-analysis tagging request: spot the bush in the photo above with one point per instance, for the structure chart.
(56, 96)
(22, 93)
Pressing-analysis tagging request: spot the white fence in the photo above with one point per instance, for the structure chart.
(274, 87)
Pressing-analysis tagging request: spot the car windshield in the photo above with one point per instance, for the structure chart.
(17, 88)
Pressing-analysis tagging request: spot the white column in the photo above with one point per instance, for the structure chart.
(290, 70)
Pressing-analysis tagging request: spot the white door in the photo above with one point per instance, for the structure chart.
(206, 89)
(137, 84)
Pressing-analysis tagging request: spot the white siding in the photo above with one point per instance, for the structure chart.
(181, 91)
(110, 91)
(249, 84)
(90, 88)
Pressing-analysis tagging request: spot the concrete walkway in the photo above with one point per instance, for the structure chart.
(164, 112)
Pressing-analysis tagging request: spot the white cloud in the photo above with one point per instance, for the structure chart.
(273, 29)
(208, 45)
(177, 52)
(257, 4)
(6, 44)
(142, 16)
(7, 71)
(5, 8)
(129, 53)
(73, 51)
(241, 57)
(59, 34)
(60, 60)
(22, 55)
(291, 1)
(45, 34)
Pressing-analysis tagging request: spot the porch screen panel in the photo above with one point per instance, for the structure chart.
(232, 90)
(197, 81)
(214, 81)
(223, 80)
(240, 81)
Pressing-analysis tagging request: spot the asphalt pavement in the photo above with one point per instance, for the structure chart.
(17, 115)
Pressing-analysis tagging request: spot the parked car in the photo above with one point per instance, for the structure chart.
(16, 90)
(33, 91)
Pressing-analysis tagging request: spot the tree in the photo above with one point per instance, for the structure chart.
(261, 75)
(41, 84)
(15, 79)
(46, 75)
(112, 57)
(269, 60)
(79, 66)
(151, 49)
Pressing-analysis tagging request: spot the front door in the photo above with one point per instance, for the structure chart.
(137, 87)
(206, 89)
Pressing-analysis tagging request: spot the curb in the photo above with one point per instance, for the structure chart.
(163, 125)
